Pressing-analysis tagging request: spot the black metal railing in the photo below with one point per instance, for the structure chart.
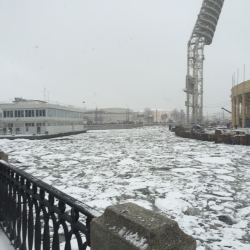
(37, 216)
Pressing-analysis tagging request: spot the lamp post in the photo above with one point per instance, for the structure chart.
(95, 113)
(155, 113)
(83, 113)
(127, 117)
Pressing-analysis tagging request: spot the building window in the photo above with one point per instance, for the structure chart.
(40, 124)
(17, 125)
(40, 112)
(8, 114)
(29, 113)
(50, 113)
(19, 113)
(29, 124)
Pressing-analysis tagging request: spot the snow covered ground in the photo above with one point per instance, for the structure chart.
(155, 169)
(4, 241)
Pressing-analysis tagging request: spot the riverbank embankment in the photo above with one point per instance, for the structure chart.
(235, 137)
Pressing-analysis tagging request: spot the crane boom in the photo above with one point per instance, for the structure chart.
(226, 110)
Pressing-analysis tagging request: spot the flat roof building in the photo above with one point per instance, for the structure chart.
(39, 117)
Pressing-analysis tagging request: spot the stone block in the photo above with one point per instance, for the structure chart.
(4, 156)
(220, 138)
(237, 140)
(247, 139)
(217, 136)
(129, 227)
(243, 140)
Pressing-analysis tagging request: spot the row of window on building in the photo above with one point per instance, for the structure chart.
(24, 124)
(64, 114)
(40, 124)
(42, 113)
(24, 113)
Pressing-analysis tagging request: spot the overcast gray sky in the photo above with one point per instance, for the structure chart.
(117, 53)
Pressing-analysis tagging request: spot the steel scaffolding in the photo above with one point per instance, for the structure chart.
(202, 35)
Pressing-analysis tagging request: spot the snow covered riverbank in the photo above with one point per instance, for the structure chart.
(155, 169)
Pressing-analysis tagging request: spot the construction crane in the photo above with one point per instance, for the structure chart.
(226, 110)
(202, 35)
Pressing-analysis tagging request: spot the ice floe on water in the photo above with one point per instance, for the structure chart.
(202, 185)
(214, 160)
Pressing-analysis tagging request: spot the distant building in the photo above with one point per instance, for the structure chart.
(39, 117)
(107, 115)
(120, 115)
(161, 115)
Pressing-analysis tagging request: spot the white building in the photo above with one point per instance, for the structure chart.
(105, 115)
(161, 115)
(39, 117)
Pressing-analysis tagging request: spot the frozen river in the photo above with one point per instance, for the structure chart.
(155, 169)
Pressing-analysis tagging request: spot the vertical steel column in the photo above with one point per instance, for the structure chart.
(202, 35)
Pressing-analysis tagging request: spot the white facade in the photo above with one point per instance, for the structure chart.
(161, 115)
(39, 117)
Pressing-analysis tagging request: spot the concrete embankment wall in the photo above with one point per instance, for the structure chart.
(218, 137)
(127, 126)
(112, 126)
(42, 137)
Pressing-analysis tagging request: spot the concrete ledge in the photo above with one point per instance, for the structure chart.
(41, 137)
(218, 137)
(112, 126)
(129, 226)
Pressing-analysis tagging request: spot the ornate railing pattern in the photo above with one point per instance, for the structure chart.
(38, 216)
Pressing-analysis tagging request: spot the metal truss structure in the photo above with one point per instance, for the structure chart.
(202, 35)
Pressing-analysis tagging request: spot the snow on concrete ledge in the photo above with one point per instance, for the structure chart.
(129, 227)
